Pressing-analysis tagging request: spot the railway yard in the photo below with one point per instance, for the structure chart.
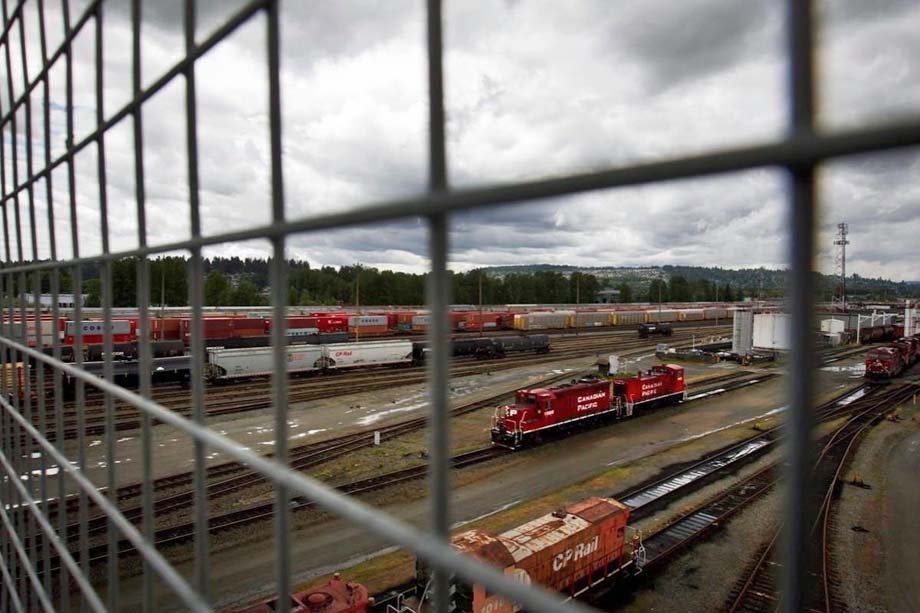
(693, 469)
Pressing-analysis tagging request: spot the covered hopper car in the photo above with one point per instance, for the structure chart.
(224, 364)
(566, 551)
(335, 596)
(543, 410)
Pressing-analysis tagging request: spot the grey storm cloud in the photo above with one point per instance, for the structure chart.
(533, 89)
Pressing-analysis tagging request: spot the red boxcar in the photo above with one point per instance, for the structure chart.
(566, 551)
(541, 409)
(336, 596)
(884, 363)
(166, 329)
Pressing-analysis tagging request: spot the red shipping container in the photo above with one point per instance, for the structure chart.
(97, 339)
(332, 323)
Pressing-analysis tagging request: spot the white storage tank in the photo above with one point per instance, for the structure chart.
(771, 331)
(742, 332)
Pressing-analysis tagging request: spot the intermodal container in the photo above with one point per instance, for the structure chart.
(97, 328)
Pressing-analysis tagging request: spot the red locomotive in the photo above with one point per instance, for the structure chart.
(891, 361)
(566, 551)
(884, 363)
(538, 410)
(336, 596)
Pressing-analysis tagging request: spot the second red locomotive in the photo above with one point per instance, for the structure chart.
(539, 410)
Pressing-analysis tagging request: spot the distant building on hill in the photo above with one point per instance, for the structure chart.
(608, 296)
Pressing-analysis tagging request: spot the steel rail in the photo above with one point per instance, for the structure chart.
(382, 525)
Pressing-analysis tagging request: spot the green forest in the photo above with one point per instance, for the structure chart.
(245, 282)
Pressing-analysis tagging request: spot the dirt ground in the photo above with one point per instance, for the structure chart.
(600, 461)
(877, 539)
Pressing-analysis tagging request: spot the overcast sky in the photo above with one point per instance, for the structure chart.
(533, 89)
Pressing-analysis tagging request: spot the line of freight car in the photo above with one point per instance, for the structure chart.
(889, 362)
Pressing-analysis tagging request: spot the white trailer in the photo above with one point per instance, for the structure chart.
(375, 353)
(258, 361)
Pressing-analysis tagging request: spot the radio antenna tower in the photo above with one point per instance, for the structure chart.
(840, 260)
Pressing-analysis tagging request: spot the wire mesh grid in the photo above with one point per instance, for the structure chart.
(37, 535)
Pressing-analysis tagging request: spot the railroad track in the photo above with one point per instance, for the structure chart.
(690, 525)
(757, 589)
(225, 399)
(302, 459)
(650, 496)
(185, 532)
(231, 477)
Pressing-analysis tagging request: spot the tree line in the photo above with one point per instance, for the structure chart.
(245, 282)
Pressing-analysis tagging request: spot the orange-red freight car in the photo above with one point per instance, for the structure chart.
(566, 551)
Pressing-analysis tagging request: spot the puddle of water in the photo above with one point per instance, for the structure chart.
(504, 507)
(375, 417)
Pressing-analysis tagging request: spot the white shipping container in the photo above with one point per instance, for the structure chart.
(832, 326)
(367, 320)
(771, 331)
(258, 361)
(378, 353)
(119, 326)
(627, 318)
(301, 331)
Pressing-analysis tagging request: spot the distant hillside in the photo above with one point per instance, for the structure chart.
(753, 281)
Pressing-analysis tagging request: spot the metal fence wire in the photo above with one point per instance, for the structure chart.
(35, 537)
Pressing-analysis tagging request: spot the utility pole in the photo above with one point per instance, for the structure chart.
(480, 303)
(358, 303)
(840, 259)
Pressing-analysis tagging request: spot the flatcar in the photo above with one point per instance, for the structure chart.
(335, 596)
(566, 551)
(544, 410)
